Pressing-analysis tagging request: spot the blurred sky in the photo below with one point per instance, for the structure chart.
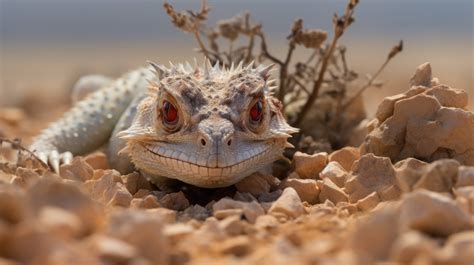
(127, 20)
(43, 39)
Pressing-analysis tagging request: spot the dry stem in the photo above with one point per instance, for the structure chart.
(16, 144)
(395, 50)
(340, 25)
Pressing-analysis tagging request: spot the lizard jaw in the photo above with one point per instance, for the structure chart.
(186, 169)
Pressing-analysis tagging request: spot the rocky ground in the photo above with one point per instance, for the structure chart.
(405, 196)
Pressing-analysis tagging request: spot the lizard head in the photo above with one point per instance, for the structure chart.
(207, 126)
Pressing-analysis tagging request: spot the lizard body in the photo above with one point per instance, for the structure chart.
(206, 126)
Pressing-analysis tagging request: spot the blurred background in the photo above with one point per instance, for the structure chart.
(47, 44)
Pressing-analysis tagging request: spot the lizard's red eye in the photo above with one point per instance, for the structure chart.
(256, 111)
(170, 113)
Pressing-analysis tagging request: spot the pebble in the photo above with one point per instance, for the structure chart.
(434, 214)
(289, 204)
(251, 210)
(370, 173)
(175, 201)
(309, 166)
(465, 176)
(331, 192)
(307, 189)
(335, 172)
(77, 170)
(345, 156)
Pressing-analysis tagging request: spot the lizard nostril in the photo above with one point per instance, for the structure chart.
(229, 142)
(203, 142)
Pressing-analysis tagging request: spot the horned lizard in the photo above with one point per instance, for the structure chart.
(208, 126)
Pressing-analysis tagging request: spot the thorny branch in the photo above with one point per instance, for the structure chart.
(395, 50)
(300, 83)
(340, 25)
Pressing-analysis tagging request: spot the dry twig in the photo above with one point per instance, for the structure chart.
(340, 25)
(16, 145)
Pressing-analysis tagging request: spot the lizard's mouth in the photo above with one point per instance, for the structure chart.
(187, 168)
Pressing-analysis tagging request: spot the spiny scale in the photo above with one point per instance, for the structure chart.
(208, 71)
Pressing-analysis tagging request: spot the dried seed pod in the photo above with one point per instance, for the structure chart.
(230, 28)
(310, 38)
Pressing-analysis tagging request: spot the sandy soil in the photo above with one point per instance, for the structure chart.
(346, 207)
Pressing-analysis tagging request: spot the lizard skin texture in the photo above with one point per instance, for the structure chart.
(206, 126)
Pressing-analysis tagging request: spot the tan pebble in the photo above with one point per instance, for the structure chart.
(255, 184)
(458, 249)
(97, 160)
(251, 210)
(232, 225)
(13, 204)
(176, 201)
(136, 203)
(77, 170)
(176, 232)
(60, 222)
(307, 189)
(392, 193)
(422, 76)
(433, 213)
(168, 216)
(98, 173)
(449, 97)
(408, 172)
(112, 250)
(309, 166)
(147, 202)
(150, 201)
(439, 176)
(222, 214)
(135, 182)
(141, 193)
(289, 203)
(372, 238)
(410, 246)
(345, 156)
(293, 175)
(266, 221)
(369, 202)
(30, 243)
(18, 181)
(12, 116)
(121, 197)
(143, 230)
(237, 246)
(50, 192)
(385, 108)
(335, 172)
(465, 198)
(27, 176)
(331, 192)
(351, 208)
(465, 176)
(370, 173)
(210, 229)
(109, 190)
